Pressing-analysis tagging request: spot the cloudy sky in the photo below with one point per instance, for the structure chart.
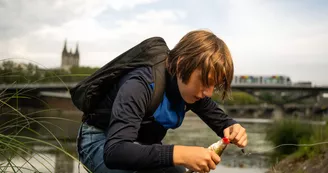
(264, 36)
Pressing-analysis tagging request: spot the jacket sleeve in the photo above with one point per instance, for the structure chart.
(128, 110)
(212, 115)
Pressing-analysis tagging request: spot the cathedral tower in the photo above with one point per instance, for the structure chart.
(70, 59)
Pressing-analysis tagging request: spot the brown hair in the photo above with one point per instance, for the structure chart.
(203, 50)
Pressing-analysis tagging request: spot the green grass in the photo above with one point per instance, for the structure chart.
(320, 134)
(292, 131)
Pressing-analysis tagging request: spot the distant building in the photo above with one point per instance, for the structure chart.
(70, 59)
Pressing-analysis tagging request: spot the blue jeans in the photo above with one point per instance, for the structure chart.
(90, 148)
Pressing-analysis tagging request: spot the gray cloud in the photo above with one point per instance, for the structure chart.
(20, 17)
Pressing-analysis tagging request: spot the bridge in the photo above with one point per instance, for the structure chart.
(60, 90)
(251, 89)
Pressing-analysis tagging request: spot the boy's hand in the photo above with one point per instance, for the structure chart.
(198, 159)
(237, 135)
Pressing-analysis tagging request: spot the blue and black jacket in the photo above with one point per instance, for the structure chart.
(127, 125)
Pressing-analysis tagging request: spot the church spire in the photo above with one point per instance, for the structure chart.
(65, 47)
(77, 49)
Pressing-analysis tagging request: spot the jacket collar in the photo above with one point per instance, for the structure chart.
(172, 90)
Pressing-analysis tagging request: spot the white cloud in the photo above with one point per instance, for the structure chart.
(119, 5)
(95, 7)
(163, 23)
(83, 29)
(163, 15)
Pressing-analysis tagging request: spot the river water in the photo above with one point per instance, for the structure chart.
(192, 132)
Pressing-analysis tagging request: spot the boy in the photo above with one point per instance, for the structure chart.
(196, 67)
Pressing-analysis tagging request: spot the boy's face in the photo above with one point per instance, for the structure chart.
(194, 89)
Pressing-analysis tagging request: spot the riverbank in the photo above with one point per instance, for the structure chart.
(292, 164)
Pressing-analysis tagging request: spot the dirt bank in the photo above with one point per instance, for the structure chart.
(317, 164)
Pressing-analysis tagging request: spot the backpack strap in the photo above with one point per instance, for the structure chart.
(160, 82)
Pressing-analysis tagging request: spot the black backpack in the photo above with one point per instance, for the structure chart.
(150, 52)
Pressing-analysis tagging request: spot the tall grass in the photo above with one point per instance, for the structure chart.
(293, 131)
(18, 134)
(320, 134)
(17, 138)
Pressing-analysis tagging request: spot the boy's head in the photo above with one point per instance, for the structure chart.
(202, 63)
